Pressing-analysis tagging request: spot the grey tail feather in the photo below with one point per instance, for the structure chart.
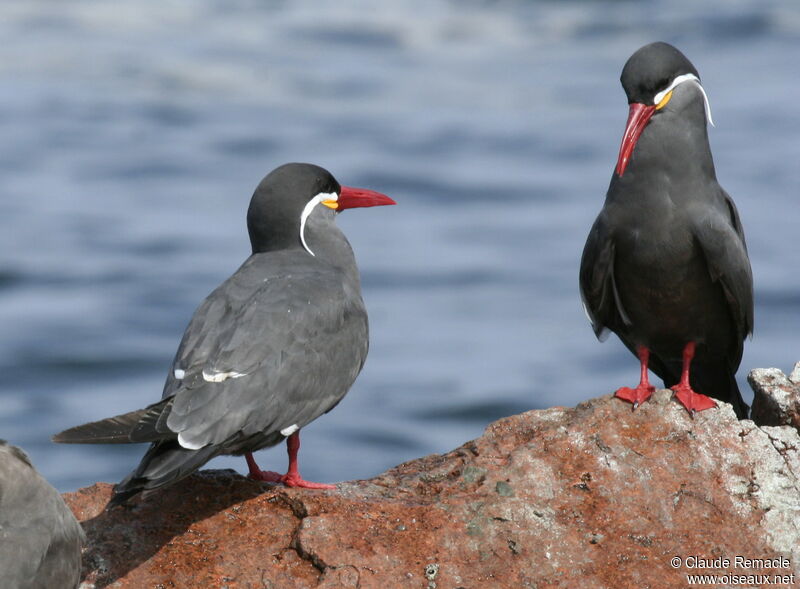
(164, 464)
(113, 430)
(135, 426)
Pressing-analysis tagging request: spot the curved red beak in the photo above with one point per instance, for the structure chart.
(638, 116)
(351, 198)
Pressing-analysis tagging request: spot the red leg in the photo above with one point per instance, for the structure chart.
(691, 400)
(292, 477)
(257, 474)
(643, 391)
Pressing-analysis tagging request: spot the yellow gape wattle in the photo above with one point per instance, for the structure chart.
(664, 101)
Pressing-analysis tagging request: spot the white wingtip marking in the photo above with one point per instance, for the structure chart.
(307, 211)
(288, 431)
(187, 444)
(221, 376)
(179, 374)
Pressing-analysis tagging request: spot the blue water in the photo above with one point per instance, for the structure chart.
(133, 134)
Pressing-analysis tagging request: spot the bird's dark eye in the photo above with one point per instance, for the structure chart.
(662, 84)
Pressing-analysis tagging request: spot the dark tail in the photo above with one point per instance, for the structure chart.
(143, 425)
(164, 463)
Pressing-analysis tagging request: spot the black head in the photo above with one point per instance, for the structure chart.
(651, 77)
(651, 69)
(286, 198)
(273, 218)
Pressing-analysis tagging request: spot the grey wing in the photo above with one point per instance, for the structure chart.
(599, 294)
(214, 310)
(280, 358)
(719, 233)
(40, 539)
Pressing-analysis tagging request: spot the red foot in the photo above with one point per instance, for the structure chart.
(644, 390)
(693, 402)
(292, 477)
(288, 479)
(636, 396)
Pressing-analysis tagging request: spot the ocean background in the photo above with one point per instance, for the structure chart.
(133, 134)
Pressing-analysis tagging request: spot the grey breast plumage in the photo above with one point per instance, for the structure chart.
(40, 539)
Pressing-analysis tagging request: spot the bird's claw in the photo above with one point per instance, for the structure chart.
(297, 481)
(692, 401)
(288, 480)
(635, 396)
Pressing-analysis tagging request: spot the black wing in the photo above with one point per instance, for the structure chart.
(598, 287)
(719, 233)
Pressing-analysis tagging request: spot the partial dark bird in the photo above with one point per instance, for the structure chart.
(275, 346)
(665, 266)
(40, 539)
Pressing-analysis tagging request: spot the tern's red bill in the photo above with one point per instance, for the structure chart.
(351, 198)
(638, 117)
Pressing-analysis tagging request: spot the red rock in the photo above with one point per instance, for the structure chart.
(594, 496)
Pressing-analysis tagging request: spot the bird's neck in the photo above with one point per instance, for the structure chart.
(331, 247)
(675, 144)
(272, 233)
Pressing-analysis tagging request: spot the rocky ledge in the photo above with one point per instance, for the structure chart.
(591, 496)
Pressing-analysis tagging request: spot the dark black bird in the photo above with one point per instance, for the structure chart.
(275, 346)
(665, 266)
(40, 539)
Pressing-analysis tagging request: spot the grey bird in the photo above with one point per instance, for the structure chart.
(665, 266)
(275, 346)
(40, 539)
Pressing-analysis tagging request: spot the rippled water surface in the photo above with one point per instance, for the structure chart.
(133, 134)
